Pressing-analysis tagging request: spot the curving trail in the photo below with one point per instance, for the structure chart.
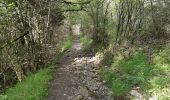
(77, 77)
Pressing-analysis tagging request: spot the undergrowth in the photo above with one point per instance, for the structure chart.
(33, 88)
(67, 44)
(86, 42)
(152, 80)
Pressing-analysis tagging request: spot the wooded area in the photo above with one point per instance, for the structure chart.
(131, 37)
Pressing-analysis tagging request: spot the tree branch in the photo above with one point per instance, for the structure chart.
(72, 3)
(5, 45)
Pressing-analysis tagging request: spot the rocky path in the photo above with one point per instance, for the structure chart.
(77, 78)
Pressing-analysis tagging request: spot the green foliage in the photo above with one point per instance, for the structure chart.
(161, 75)
(86, 41)
(67, 44)
(136, 72)
(18, 37)
(137, 68)
(111, 32)
(33, 88)
(129, 73)
(118, 86)
(107, 58)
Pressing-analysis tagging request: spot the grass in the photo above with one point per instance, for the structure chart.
(33, 88)
(153, 80)
(67, 44)
(86, 41)
(160, 82)
(128, 74)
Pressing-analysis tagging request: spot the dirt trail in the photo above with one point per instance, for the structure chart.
(77, 78)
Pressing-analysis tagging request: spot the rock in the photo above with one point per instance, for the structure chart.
(136, 95)
(153, 98)
(83, 91)
(78, 97)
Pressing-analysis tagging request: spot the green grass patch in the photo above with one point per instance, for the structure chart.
(160, 82)
(153, 80)
(33, 88)
(67, 44)
(118, 86)
(127, 74)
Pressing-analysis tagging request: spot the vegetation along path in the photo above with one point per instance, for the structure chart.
(77, 77)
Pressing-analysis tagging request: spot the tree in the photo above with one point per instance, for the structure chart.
(98, 10)
(130, 16)
(26, 30)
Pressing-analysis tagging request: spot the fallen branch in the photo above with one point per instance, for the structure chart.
(72, 3)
